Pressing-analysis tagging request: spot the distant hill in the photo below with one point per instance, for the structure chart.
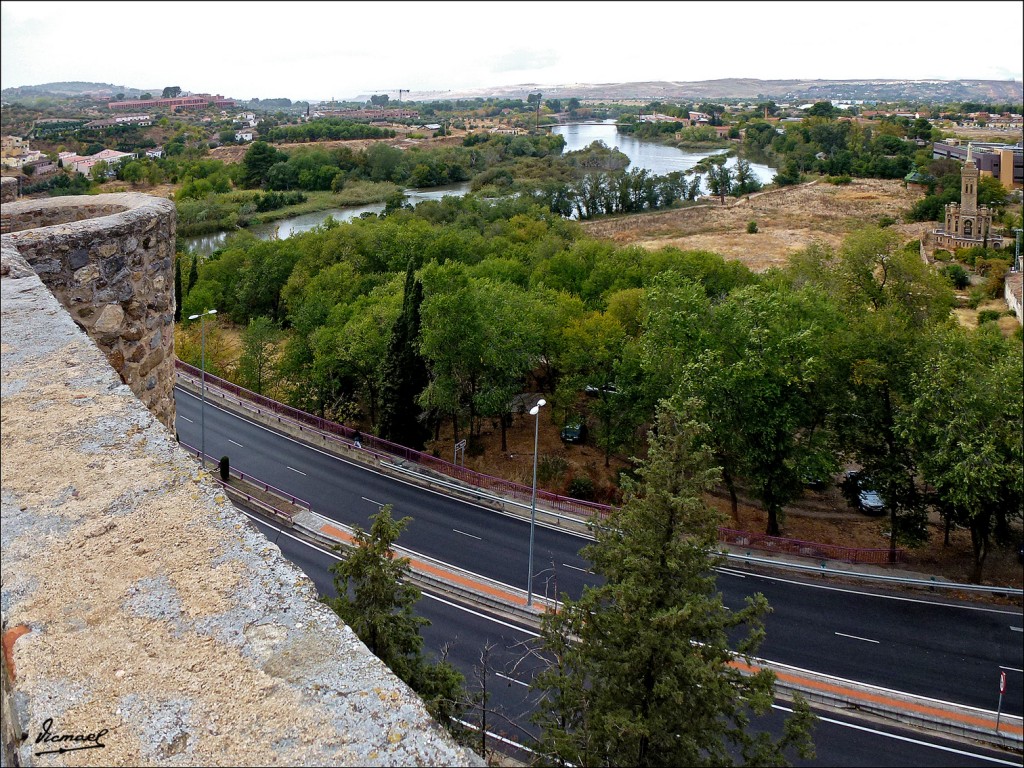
(73, 89)
(927, 91)
(987, 91)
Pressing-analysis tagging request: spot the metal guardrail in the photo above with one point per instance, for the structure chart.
(379, 445)
(383, 449)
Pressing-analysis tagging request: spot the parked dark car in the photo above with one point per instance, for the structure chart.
(574, 432)
(856, 487)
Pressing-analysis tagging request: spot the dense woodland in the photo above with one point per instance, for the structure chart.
(844, 356)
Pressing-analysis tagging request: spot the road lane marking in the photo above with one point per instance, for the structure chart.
(378, 503)
(898, 737)
(575, 568)
(854, 637)
(476, 613)
(233, 442)
(293, 469)
(467, 534)
(1017, 629)
(732, 573)
(1011, 669)
(512, 680)
(186, 418)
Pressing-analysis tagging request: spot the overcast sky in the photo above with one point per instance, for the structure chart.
(321, 50)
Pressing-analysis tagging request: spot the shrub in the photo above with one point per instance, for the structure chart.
(550, 468)
(752, 228)
(886, 221)
(581, 487)
(956, 275)
(976, 297)
(839, 179)
(943, 255)
(988, 315)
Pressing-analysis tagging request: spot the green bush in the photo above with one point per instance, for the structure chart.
(943, 255)
(956, 275)
(976, 297)
(988, 315)
(581, 487)
(886, 221)
(838, 179)
(550, 468)
(752, 228)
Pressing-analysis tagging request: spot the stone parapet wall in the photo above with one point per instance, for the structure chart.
(140, 606)
(109, 259)
(8, 189)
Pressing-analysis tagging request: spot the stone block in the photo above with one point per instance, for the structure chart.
(110, 319)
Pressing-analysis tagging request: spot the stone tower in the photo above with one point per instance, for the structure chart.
(969, 186)
(967, 224)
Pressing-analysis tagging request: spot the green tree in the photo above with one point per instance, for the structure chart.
(255, 365)
(98, 172)
(258, 160)
(821, 109)
(193, 273)
(170, 92)
(405, 374)
(177, 289)
(642, 667)
(967, 427)
(891, 300)
(375, 598)
(594, 345)
(763, 381)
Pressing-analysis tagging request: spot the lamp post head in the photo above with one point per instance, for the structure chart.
(535, 410)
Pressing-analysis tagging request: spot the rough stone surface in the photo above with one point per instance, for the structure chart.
(152, 608)
(102, 255)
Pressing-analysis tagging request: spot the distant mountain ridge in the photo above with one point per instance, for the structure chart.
(985, 91)
(992, 91)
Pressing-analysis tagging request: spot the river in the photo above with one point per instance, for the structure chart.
(656, 158)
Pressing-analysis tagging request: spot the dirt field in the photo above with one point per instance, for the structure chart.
(788, 220)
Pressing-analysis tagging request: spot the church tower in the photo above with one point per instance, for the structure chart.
(969, 186)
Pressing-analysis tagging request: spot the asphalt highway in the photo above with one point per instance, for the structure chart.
(840, 740)
(941, 648)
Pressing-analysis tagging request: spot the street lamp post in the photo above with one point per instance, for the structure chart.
(202, 374)
(535, 412)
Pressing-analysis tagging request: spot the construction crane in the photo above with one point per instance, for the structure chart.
(393, 90)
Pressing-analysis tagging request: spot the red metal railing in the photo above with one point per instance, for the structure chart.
(511, 489)
(765, 543)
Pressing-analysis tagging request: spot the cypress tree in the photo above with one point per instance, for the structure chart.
(374, 597)
(405, 373)
(193, 273)
(641, 672)
(177, 290)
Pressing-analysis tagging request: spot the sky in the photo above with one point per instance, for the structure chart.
(324, 50)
